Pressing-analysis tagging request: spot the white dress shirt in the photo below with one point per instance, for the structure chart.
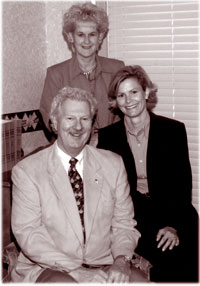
(65, 160)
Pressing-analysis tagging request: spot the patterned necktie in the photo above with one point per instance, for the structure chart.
(77, 186)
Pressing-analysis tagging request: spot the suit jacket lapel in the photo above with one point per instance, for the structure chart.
(93, 183)
(63, 189)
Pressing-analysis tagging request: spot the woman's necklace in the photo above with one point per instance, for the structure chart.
(88, 72)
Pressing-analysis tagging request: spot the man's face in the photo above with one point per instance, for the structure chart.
(131, 98)
(85, 39)
(74, 123)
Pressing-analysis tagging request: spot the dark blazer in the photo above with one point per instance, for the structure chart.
(68, 72)
(168, 169)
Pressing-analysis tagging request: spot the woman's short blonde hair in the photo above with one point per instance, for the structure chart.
(84, 12)
(126, 72)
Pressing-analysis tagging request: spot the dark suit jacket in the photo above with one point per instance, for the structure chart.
(168, 169)
(68, 73)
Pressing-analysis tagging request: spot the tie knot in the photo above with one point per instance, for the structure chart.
(73, 161)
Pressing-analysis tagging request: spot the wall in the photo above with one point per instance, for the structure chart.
(24, 62)
(56, 48)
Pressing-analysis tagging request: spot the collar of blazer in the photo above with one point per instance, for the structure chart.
(93, 183)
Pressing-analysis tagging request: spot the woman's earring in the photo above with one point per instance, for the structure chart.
(147, 93)
(101, 37)
(70, 39)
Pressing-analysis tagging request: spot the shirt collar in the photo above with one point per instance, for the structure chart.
(142, 129)
(65, 157)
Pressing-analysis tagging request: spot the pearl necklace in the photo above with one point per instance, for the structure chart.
(88, 72)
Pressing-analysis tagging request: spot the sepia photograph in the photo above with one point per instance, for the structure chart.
(100, 141)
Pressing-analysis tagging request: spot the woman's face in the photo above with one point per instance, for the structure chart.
(86, 39)
(131, 98)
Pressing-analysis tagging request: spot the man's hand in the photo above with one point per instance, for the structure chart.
(119, 272)
(167, 238)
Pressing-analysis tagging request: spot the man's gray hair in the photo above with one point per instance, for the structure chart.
(75, 94)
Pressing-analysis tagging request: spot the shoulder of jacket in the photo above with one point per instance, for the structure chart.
(109, 64)
(167, 121)
(101, 154)
(105, 59)
(34, 159)
(59, 66)
(115, 127)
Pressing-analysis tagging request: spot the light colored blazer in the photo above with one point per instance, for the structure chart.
(46, 222)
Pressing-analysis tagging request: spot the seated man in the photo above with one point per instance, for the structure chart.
(155, 153)
(72, 214)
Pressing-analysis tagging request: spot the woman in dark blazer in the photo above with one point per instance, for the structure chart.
(161, 190)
